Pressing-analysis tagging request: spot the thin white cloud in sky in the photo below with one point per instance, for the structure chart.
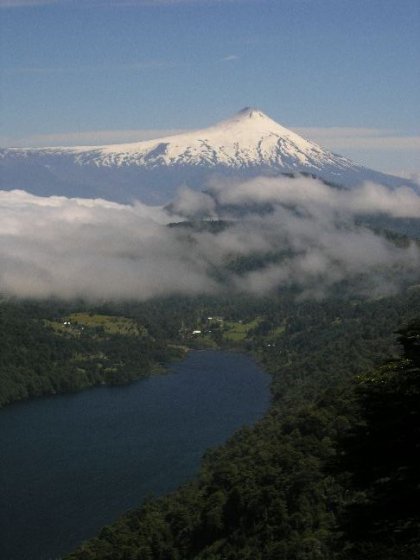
(87, 138)
(131, 66)
(169, 2)
(140, 3)
(230, 57)
(342, 138)
(413, 176)
(23, 3)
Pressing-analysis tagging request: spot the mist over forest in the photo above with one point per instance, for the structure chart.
(305, 233)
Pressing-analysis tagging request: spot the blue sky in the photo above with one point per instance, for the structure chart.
(344, 72)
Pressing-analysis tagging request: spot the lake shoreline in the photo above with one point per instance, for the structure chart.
(94, 439)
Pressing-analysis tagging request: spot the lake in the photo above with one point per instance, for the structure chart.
(72, 464)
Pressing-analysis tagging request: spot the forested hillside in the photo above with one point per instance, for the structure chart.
(339, 446)
(50, 348)
(330, 472)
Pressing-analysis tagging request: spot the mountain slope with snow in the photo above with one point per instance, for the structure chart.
(247, 144)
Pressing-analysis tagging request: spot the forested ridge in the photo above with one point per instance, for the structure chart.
(46, 348)
(322, 475)
(330, 472)
(52, 347)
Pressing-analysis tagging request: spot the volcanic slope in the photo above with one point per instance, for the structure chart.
(245, 145)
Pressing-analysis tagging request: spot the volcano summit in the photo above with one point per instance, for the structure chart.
(246, 145)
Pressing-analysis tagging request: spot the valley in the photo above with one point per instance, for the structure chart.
(317, 354)
(315, 281)
(280, 487)
(209, 316)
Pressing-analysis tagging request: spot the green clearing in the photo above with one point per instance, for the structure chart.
(238, 331)
(108, 324)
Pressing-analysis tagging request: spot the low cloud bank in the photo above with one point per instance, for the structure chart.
(95, 249)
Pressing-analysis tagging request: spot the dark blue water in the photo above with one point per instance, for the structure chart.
(71, 464)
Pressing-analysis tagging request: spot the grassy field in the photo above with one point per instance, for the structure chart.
(237, 331)
(107, 324)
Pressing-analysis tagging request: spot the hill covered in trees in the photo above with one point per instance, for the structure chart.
(331, 471)
(51, 348)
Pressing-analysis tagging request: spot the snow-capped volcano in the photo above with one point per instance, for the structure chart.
(248, 139)
(247, 144)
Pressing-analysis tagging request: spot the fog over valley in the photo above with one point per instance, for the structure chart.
(210, 241)
(306, 234)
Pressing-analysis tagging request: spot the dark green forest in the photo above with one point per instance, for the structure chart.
(330, 472)
(40, 355)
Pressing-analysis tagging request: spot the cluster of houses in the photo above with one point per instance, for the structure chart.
(208, 324)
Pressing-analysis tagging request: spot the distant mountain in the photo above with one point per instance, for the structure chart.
(245, 145)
